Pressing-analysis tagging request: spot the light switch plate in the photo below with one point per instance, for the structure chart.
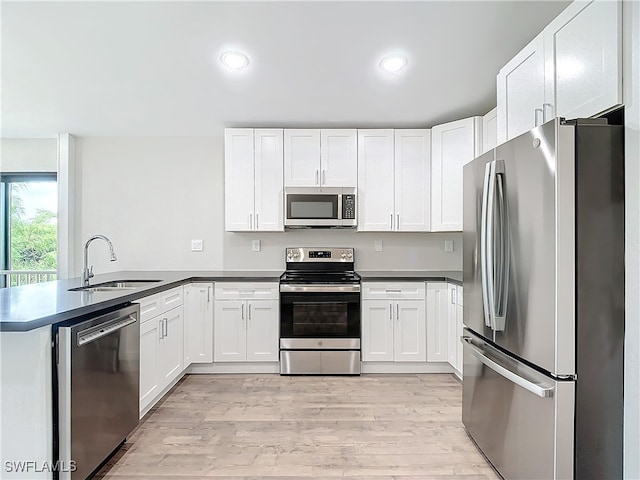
(377, 245)
(255, 245)
(448, 245)
(196, 245)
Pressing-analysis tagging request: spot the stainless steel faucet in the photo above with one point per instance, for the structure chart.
(87, 272)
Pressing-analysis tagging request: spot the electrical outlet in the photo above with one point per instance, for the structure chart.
(196, 245)
(448, 245)
(255, 245)
(377, 245)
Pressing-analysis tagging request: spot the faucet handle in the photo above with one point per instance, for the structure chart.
(90, 275)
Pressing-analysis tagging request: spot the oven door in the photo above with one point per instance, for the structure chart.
(314, 311)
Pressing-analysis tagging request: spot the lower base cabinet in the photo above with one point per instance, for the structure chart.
(246, 329)
(198, 323)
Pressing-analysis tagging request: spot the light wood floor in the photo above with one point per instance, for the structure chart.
(268, 426)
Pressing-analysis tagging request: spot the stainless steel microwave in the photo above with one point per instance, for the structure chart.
(320, 207)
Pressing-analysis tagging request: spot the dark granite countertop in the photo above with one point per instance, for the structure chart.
(41, 304)
(411, 276)
(34, 306)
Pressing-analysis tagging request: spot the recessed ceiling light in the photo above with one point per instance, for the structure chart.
(393, 63)
(234, 60)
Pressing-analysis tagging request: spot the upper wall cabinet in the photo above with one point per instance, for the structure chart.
(253, 173)
(520, 91)
(583, 60)
(572, 69)
(393, 180)
(452, 146)
(490, 130)
(320, 158)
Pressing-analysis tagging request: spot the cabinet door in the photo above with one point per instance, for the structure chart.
(452, 327)
(149, 368)
(412, 180)
(238, 179)
(459, 320)
(520, 89)
(490, 130)
(409, 336)
(339, 158)
(583, 60)
(301, 158)
(171, 349)
(452, 145)
(229, 331)
(198, 324)
(377, 330)
(375, 181)
(269, 186)
(263, 322)
(437, 322)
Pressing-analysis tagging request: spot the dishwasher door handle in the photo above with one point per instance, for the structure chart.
(92, 334)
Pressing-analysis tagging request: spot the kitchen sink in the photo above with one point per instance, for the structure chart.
(114, 285)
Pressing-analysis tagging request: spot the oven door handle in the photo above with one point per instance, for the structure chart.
(319, 288)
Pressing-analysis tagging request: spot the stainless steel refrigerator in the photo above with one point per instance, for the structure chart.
(543, 256)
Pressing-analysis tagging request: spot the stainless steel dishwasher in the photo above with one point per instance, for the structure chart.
(98, 385)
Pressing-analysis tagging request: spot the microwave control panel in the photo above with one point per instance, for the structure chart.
(348, 207)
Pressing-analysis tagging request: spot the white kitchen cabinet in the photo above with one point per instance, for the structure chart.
(263, 320)
(572, 69)
(338, 158)
(583, 60)
(455, 326)
(320, 158)
(437, 322)
(409, 331)
(393, 322)
(254, 192)
(238, 179)
(301, 157)
(452, 146)
(375, 180)
(490, 130)
(149, 357)
(198, 323)
(171, 346)
(161, 343)
(412, 171)
(246, 322)
(394, 180)
(520, 91)
(230, 331)
(377, 331)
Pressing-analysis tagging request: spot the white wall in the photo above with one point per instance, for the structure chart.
(631, 82)
(28, 154)
(151, 196)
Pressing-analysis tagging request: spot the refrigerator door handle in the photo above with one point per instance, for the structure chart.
(483, 246)
(500, 280)
(536, 389)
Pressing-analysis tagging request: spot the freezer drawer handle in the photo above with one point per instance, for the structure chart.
(508, 374)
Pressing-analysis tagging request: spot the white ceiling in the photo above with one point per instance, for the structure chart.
(152, 69)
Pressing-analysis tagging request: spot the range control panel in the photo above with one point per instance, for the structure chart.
(306, 254)
(348, 207)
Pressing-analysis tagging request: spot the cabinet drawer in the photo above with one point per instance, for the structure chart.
(254, 291)
(396, 290)
(172, 298)
(150, 307)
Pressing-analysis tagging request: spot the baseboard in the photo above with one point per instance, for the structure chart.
(146, 409)
(409, 367)
(267, 367)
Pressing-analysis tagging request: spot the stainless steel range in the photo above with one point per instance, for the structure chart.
(320, 313)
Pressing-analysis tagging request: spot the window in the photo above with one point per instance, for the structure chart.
(29, 239)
